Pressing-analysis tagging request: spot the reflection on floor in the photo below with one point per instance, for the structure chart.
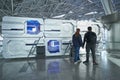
(59, 69)
(114, 56)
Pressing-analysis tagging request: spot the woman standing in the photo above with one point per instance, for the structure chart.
(77, 43)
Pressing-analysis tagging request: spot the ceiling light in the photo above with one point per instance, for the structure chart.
(90, 13)
(90, 1)
(60, 16)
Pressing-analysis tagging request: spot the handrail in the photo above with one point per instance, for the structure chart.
(33, 47)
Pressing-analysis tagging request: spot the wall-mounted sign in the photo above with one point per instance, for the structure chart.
(33, 27)
(53, 46)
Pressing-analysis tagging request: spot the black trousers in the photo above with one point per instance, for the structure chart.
(90, 47)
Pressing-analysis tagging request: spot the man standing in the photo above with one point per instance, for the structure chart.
(77, 43)
(90, 39)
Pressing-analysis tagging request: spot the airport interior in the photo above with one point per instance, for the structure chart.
(36, 39)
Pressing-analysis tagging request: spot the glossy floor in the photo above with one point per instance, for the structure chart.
(59, 69)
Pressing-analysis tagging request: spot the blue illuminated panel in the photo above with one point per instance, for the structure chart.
(53, 46)
(33, 27)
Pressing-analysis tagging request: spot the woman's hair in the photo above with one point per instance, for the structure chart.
(77, 32)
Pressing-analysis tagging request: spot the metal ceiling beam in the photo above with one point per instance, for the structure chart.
(50, 8)
(12, 6)
(107, 6)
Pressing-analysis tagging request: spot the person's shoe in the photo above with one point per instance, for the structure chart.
(95, 63)
(75, 62)
(86, 62)
(79, 61)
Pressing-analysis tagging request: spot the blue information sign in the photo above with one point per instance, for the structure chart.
(53, 46)
(33, 27)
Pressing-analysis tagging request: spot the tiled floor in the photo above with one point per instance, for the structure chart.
(59, 69)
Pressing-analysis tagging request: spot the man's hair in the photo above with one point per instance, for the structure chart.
(89, 28)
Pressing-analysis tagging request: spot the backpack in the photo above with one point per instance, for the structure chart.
(91, 37)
